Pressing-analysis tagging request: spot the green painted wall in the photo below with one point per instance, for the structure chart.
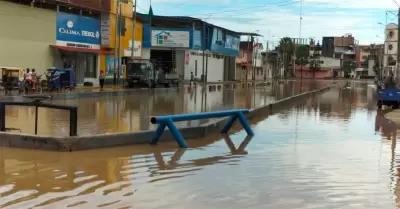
(25, 35)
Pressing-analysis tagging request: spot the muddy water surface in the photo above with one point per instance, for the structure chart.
(328, 152)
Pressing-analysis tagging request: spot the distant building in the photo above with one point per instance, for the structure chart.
(368, 57)
(390, 48)
(342, 47)
(329, 68)
(328, 46)
(249, 63)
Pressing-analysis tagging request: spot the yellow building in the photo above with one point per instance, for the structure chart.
(113, 39)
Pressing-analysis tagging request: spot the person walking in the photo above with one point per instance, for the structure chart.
(101, 79)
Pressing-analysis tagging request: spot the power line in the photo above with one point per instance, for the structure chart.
(283, 3)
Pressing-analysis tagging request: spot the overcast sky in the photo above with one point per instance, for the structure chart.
(275, 19)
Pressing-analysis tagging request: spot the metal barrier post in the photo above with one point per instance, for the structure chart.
(2, 117)
(229, 124)
(245, 124)
(168, 121)
(37, 103)
(36, 117)
(175, 132)
(73, 121)
(158, 133)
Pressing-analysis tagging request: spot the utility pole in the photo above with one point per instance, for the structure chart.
(204, 49)
(398, 45)
(119, 43)
(115, 42)
(247, 57)
(294, 58)
(134, 31)
(255, 51)
(205, 77)
(266, 61)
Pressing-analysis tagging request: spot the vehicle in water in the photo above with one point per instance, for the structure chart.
(143, 72)
(12, 79)
(59, 78)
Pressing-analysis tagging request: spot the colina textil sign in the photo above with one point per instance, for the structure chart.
(77, 31)
(71, 31)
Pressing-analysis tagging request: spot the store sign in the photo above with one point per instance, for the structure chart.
(169, 38)
(77, 31)
(137, 51)
(105, 29)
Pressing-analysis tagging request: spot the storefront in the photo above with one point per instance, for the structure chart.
(167, 46)
(218, 58)
(78, 46)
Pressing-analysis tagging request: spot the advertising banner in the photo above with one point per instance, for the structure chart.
(110, 67)
(77, 31)
(137, 51)
(169, 38)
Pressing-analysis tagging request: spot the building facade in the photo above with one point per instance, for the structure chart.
(21, 47)
(117, 31)
(185, 45)
(369, 57)
(80, 35)
(390, 48)
(249, 62)
(328, 67)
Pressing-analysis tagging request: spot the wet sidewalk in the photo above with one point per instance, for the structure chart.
(131, 111)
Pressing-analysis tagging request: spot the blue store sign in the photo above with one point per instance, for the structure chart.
(77, 31)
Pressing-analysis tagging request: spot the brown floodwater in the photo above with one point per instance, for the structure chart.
(131, 112)
(332, 151)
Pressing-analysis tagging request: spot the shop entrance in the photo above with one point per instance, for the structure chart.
(83, 64)
(164, 59)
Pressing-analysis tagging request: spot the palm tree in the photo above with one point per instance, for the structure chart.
(286, 51)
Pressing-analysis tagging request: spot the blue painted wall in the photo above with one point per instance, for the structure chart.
(223, 43)
(147, 35)
(216, 40)
(197, 40)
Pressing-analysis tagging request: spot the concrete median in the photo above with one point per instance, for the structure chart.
(55, 143)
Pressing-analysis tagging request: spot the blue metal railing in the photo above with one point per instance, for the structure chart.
(168, 121)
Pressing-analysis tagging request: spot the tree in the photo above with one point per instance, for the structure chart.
(286, 51)
(315, 66)
(302, 54)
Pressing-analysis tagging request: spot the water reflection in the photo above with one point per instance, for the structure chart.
(131, 112)
(323, 153)
(53, 180)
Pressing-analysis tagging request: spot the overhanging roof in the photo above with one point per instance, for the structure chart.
(249, 34)
(183, 19)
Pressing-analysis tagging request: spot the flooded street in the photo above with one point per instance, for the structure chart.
(131, 112)
(323, 153)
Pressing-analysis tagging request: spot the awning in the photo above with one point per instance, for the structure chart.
(74, 49)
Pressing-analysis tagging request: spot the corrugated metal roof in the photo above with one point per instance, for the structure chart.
(144, 17)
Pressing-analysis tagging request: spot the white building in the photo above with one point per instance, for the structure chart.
(390, 49)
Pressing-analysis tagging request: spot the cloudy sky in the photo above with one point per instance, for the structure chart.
(275, 19)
